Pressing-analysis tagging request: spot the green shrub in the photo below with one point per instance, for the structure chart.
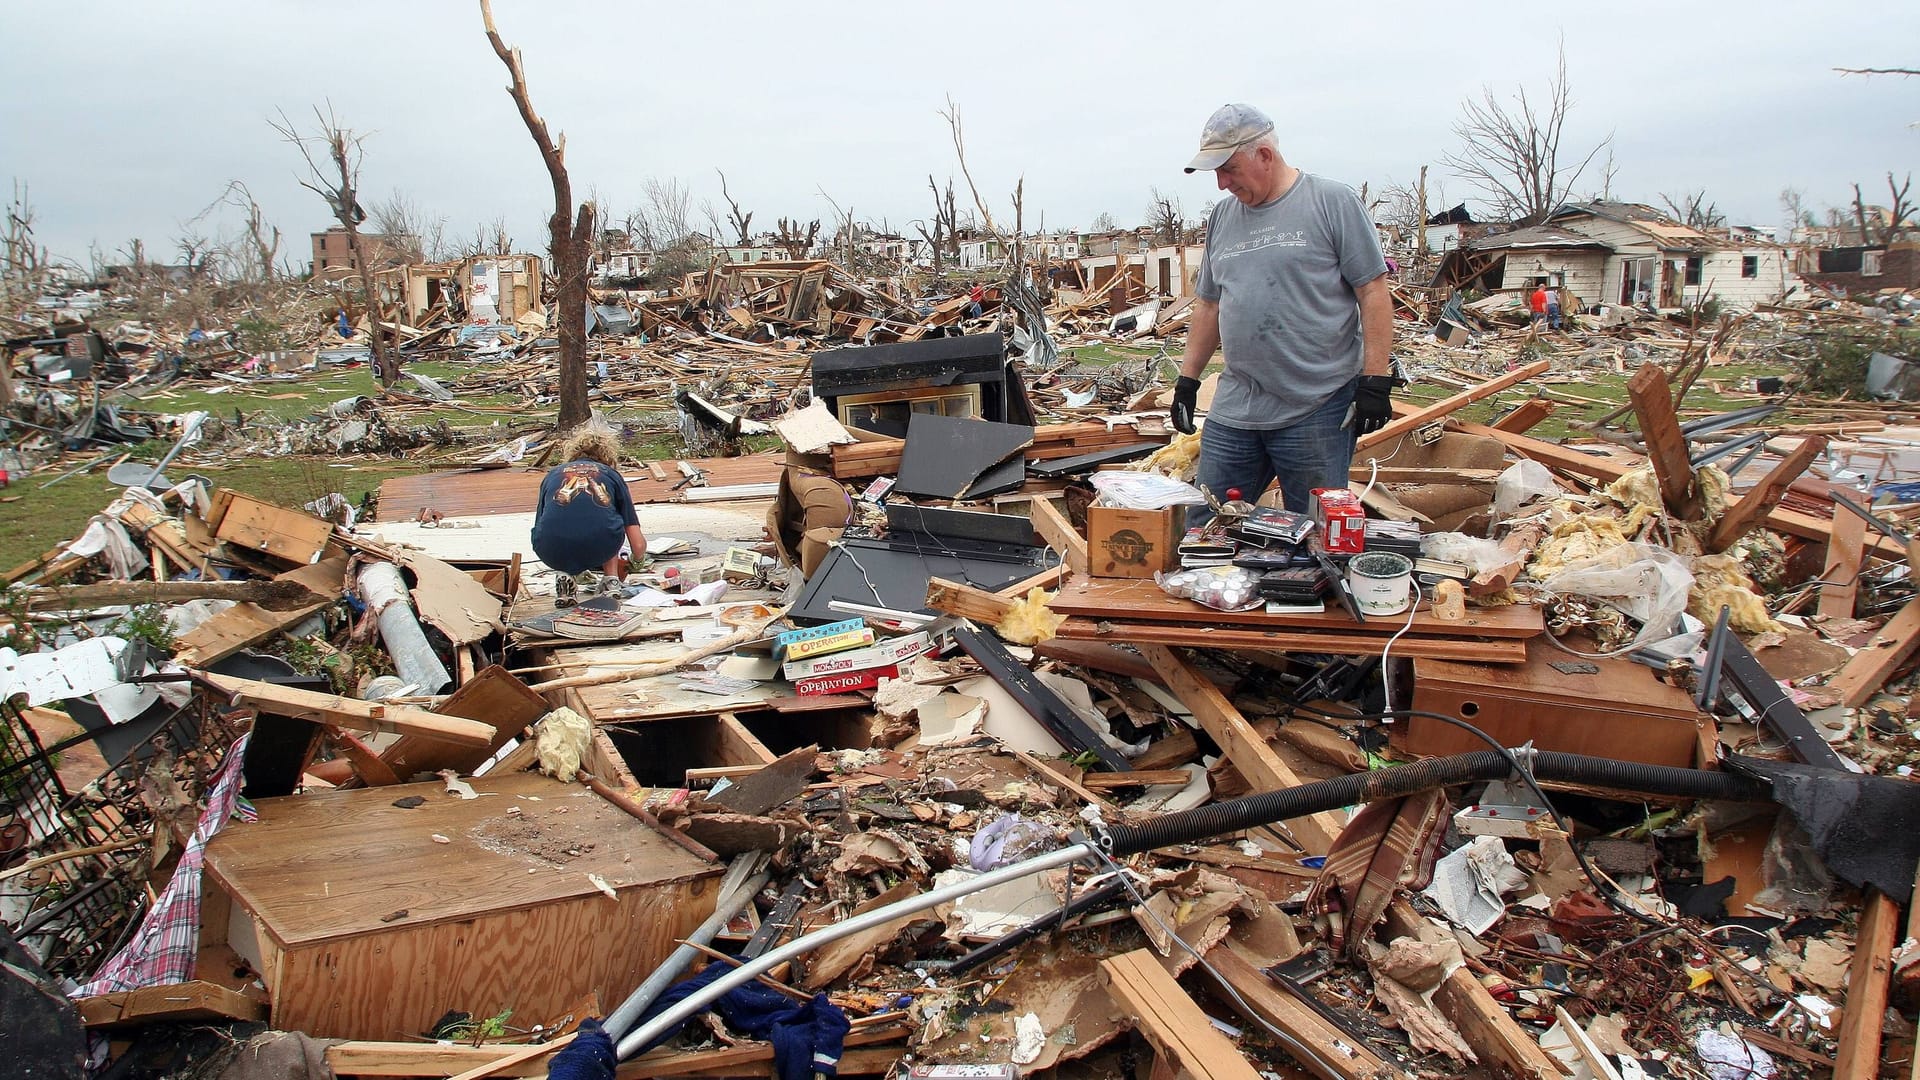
(1837, 361)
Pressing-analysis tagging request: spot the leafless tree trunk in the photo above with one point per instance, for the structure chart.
(1867, 232)
(341, 148)
(740, 221)
(1163, 217)
(1512, 154)
(569, 249)
(1899, 209)
(793, 241)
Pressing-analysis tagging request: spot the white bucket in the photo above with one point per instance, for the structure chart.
(1381, 582)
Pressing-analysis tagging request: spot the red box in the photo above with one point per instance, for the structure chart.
(845, 682)
(1340, 522)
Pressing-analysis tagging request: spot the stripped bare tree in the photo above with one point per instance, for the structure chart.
(740, 220)
(1164, 217)
(1512, 153)
(794, 240)
(568, 246)
(1692, 208)
(339, 185)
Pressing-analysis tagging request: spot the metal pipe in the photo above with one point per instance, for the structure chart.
(713, 991)
(725, 907)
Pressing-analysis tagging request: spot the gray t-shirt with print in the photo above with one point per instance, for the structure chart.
(1283, 275)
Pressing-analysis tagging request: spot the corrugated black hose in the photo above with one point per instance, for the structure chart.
(1267, 807)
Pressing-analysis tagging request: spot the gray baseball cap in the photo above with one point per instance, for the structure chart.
(1228, 129)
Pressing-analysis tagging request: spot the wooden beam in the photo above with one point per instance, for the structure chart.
(196, 1000)
(348, 712)
(1137, 778)
(1239, 742)
(1840, 578)
(1108, 658)
(1869, 669)
(967, 601)
(1059, 533)
(1742, 516)
(1439, 409)
(1338, 1055)
(1529, 413)
(1495, 1037)
(1867, 982)
(280, 594)
(1180, 1033)
(1666, 443)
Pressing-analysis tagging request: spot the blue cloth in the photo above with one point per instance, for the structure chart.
(1313, 452)
(581, 519)
(343, 326)
(807, 1037)
(590, 1056)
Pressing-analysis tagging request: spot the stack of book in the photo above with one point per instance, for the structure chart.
(1400, 537)
(806, 656)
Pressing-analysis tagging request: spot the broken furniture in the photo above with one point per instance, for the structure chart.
(368, 920)
(1555, 700)
(879, 387)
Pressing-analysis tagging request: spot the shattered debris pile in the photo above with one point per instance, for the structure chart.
(934, 737)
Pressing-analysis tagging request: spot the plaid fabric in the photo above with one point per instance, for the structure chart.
(1387, 846)
(163, 949)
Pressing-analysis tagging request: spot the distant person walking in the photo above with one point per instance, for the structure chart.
(975, 299)
(1553, 309)
(1538, 302)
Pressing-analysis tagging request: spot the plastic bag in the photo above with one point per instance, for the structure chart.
(1646, 582)
(1476, 554)
(1522, 482)
(1222, 588)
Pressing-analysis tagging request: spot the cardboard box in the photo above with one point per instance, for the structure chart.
(1133, 543)
(1339, 519)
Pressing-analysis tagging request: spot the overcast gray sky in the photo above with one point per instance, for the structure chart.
(131, 117)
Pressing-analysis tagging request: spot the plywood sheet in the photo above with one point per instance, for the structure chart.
(492, 696)
(334, 864)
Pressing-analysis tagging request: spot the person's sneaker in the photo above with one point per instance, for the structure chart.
(565, 591)
(610, 585)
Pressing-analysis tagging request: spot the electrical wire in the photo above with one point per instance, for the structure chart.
(1386, 679)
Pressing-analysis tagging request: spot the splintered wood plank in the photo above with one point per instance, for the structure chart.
(186, 1001)
(1059, 534)
(1760, 499)
(1875, 663)
(1505, 651)
(1137, 600)
(1529, 413)
(1239, 742)
(1340, 1056)
(1666, 443)
(1840, 580)
(348, 712)
(967, 601)
(492, 697)
(1439, 409)
(1494, 1035)
(1867, 986)
(1179, 1031)
(245, 623)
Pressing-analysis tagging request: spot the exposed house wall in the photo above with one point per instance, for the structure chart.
(1579, 270)
(1723, 274)
(1181, 266)
(1899, 268)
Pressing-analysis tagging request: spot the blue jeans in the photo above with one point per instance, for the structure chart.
(1316, 451)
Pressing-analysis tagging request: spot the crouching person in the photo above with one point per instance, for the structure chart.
(585, 514)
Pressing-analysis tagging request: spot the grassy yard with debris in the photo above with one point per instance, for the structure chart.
(43, 514)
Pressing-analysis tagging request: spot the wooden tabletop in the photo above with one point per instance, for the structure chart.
(1141, 600)
(330, 864)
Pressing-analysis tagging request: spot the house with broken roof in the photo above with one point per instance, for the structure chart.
(1626, 253)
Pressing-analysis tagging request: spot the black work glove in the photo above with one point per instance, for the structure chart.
(1372, 403)
(1185, 390)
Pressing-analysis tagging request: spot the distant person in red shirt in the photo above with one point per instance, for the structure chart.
(977, 297)
(1538, 301)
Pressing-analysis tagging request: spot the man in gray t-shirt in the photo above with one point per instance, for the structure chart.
(1293, 286)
